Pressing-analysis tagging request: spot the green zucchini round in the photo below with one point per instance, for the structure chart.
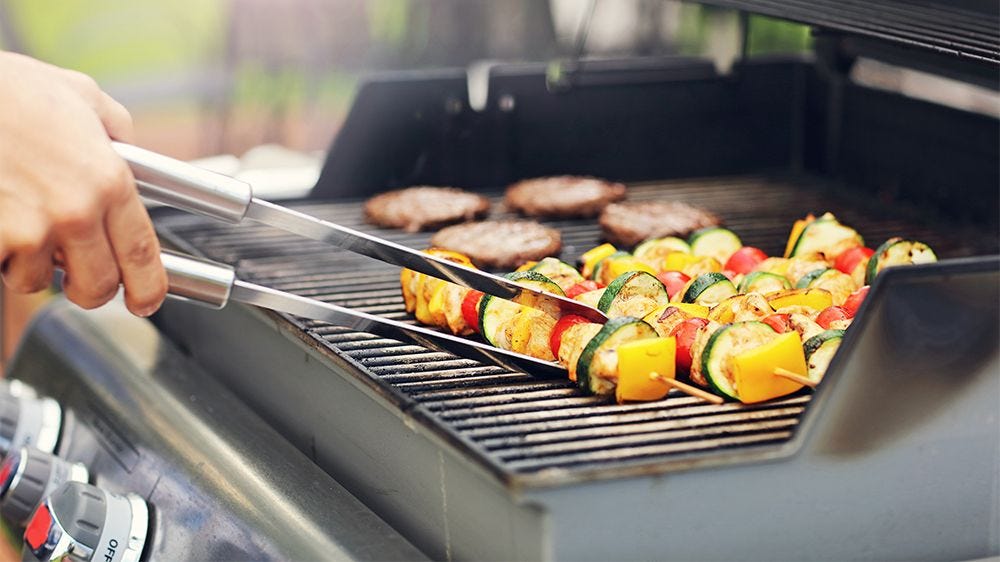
(897, 251)
(763, 282)
(726, 342)
(709, 289)
(819, 351)
(598, 355)
(714, 242)
(630, 290)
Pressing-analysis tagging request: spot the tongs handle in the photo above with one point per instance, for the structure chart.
(187, 187)
(194, 279)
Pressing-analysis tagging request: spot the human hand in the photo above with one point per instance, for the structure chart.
(65, 196)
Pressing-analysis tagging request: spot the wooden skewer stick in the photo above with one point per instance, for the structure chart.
(786, 374)
(688, 389)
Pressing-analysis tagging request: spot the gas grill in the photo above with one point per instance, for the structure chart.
(894, 456)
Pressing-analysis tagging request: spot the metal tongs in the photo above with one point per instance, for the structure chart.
(193, 189)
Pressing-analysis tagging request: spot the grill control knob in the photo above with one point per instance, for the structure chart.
(27, 476)
(28, 421)
(80, 521)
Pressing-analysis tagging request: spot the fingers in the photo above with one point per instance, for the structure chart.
(91, 273)
(116, 119)
(137, 250)
(27, 254)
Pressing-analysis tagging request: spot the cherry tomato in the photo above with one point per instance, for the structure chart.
(849, 259)
(853, 302)
(780, 322)
(685, 333)
(581, 288)
(831, 314)
(673, 280)
(745, 259)
(555, 340)
(470, 309)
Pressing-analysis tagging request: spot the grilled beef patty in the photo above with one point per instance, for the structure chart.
(562, 196)
(627, 224)
(500, 244)
(425, 208)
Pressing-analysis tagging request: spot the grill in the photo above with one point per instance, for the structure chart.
(516, 426)
(893, 456)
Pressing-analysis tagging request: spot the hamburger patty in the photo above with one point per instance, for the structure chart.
(424, 208)
(562, 196)
(502, 244)
(627, 224)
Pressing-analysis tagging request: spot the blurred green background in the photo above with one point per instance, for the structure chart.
(214, 76)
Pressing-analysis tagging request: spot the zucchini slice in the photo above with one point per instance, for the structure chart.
(763, 282)
(560, 272)
(635, 293)
(827, 236)
(839, 284)
(538, 281)
(654, 251)
(495, 313)
(726, 343)
(714, 242)
(709, 289)
(820, 350)
(597, 367)
(807, 280)
(897, 251)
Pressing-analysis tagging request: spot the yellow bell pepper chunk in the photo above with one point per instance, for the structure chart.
(753, 370)
(409, 297)
(624, 265)
(436, 307)
(797, 229)
(817, 299)
(594, 255)
(698, 310)
(638, 361)
(690, 309)
(678, 261)
(526, 266)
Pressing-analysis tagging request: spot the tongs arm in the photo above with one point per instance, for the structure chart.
(215, 285)
(183, 186)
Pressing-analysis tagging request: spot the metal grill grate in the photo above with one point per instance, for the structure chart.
(515, 423)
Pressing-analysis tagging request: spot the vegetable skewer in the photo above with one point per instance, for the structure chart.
(761, 328)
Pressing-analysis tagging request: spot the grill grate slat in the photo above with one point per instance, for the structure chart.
(516, 422)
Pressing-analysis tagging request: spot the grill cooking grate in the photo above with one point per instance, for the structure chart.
(515, 423)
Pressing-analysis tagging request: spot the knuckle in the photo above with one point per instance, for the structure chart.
(113, 181)
(143, 251)
(76, 215)
(82, 81)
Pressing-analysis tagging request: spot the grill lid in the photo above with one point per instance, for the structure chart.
(968, 30)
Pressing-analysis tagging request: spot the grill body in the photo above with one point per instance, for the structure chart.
(894, 456)
(469, 461)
